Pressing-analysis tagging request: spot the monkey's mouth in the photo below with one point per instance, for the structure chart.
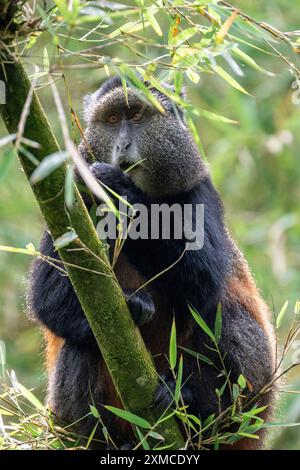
(126, 166)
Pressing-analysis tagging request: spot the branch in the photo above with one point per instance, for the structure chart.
(101, 298)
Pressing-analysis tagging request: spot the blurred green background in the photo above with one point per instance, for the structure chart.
(255, 166)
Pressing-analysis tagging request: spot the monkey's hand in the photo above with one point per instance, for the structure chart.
(141, 306)
(115, 179)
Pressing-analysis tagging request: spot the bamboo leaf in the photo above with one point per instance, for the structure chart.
(156, 436)
(202, 323)
(178, 82)
(7, 139)
(179, 380)
(281, 314)
(250, 436)
(242, 382)
(91, 436)
(94, 411)
(199, 356)
(235, 391)
(212, 116)
(65, 239)
(130, 27)
(142, 439)
(218, 324)
(228, 78)
(48, 165)
(249, 61)
(193, 76)
(69, 186)
(137, 82)
(130, 417)
(173, 347)
(223, 31)
(150, 15)
(183, 36)
(6, 162)
(29, 396)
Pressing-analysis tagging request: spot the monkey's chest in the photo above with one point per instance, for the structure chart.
(156, 333)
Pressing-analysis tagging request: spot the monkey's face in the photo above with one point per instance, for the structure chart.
(154, 148)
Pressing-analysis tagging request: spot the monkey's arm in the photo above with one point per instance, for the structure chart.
(52, 299)
(53, 302)
(196, 276)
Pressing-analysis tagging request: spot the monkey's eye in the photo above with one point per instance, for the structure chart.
(137, 117)
(113, 119)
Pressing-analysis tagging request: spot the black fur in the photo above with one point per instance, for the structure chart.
(198, 279)
(54, 303)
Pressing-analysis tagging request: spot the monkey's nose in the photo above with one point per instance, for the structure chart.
(123, 146)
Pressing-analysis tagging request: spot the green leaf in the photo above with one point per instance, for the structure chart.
(246, 434)
(173, 347)
(91, 436)
(48, 165)
(183, 36)
(156, 436)
(179, 380)
(169, 446)
(69, 186)
(212, 116)
(195, 134)
(280, 425)
(29, 396)
(46, 62)
(7, 139)
(281, 314)
(130, 27)
(184, 417)
(235, 391)
(150, 15)
(125, 88)
(24, 151)
(228, 78)
(249, 61)
(199, 356)
(135, 80)
(178, 82)
(65, 239)
(209, 420)
(193, 76)
(94, 411)
(130, 417)
(142, 439)
(242, 382)
(218, 324)
(31, 248)
(6, 162)
(222, 389)
(202, 323)
(105, 433)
